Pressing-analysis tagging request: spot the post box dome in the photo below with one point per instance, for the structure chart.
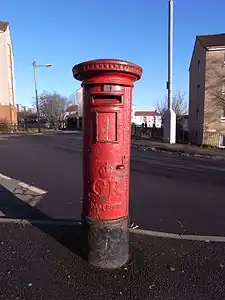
(90, 68)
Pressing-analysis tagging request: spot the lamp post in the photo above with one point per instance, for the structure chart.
(36, 93)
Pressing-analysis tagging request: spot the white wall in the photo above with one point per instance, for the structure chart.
(7, 77)
(133, 114)
(79, 101)
(157, 120)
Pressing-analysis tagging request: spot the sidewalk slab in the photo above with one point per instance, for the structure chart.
(44, 263)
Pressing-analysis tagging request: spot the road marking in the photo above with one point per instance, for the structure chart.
(32, 188)
(187, 237)
(42, 222)
(2, 176)
(8, 220)
(20, 190)
(176, 236)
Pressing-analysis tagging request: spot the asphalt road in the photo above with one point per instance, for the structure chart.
(168, 193)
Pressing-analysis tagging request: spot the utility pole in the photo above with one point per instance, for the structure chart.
(170, 54)
(36, 96)
(169, 130)
(35, 66)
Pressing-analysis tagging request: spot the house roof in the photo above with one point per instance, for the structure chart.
(146, 113)
(3, 25)
(72, 108)
(210, 40)
(213, 40)
(72, 115)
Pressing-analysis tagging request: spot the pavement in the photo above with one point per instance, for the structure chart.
(171, 196)
(182, 149)
(45, 263)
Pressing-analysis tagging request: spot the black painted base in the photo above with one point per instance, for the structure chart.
(108, 242)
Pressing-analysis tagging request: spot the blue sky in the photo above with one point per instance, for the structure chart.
(67, 32)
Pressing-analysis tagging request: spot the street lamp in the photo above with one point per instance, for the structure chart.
(36, 93)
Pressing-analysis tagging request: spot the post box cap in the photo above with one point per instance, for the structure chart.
(90, 68)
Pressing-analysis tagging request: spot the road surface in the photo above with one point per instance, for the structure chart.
(168, 193)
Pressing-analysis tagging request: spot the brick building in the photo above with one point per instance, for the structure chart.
(206, 123)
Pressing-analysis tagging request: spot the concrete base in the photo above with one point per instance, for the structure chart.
(108, 246)
(169, 129)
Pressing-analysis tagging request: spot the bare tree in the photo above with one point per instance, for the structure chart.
(53, 107)
(161, 106)
(179, 104)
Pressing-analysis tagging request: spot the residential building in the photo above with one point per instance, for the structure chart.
(152, 118)
(206, 122)
(22, 108)
(71, 111)
(72, 118)
(8, 112)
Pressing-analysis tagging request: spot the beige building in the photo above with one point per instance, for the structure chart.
(7, 80)
(206, 123)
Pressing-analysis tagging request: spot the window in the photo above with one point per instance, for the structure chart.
(222, 141)
(198, 91)
(197, 114)
(196, 137)
(222, 116)
(199, 67)
(223, 88)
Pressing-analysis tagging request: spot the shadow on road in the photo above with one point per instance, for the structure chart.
(185, 173)
(70, 235)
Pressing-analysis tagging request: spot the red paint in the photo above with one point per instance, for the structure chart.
(107, 87)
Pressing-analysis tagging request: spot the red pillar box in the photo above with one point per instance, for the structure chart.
(107, 101)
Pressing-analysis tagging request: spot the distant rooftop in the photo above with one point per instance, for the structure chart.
(3, 25)
(71, 108)
(213, 40)
(146, 113)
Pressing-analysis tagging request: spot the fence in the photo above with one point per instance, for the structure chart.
(156, 134)
(26, 127)
(8, 128)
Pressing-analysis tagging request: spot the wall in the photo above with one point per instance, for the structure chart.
(7, 80)
(139, 120)
(8, 114)
(79, 101)
(196, 95)
(214, 126)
